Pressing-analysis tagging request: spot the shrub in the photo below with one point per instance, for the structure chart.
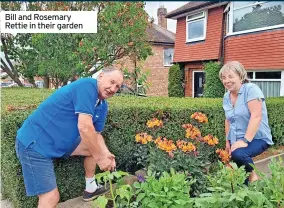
(175, 88)
(213, 87)
(192, 152)
(127, 117)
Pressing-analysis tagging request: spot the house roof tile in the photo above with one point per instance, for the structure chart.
(158, 34)
(191, 6)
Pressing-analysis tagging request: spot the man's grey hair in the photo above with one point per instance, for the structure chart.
(111, 69)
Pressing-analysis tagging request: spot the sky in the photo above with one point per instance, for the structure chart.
(151, 8)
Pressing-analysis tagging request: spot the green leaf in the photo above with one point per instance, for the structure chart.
(140, 197)
(101, 202)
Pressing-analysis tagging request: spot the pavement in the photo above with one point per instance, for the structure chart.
(78, 202)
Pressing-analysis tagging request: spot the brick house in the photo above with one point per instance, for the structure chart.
(162, 42)
(249, 32)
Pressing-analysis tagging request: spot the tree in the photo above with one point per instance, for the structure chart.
(121, 32)
(19, 47)
(7, 65)
(175, 88)
(213, 87)
(56, 57)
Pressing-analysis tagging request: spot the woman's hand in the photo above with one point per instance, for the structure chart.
(228, 147)
(238, 144)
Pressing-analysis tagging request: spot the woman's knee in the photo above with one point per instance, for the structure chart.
(49, 199)
(237, 155)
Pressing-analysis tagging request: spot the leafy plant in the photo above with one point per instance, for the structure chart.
(124, 191)
(272, 187)
(193, 154)
(228, 190)
(170, 190)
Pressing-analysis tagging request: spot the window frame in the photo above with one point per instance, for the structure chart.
(187, 20)
(231, 15)
(164, 57)
(256, 79)
(281, 79)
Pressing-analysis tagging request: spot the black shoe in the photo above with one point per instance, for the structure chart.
(101, 190)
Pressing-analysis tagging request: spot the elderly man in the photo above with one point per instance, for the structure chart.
(67, 123)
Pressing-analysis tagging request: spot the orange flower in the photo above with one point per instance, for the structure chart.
(191, 131)
(154, 123)
(209, 139)
(165, 144)
(185, 146)
(143, 138)
(200, 117)
(224, 155)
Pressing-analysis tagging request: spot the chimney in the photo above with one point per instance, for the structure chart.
(162, 20)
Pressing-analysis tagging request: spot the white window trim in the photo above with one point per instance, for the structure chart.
(282, 84)
(164, 58)
(195, 20)
(193, 80)
(231, 11)
(268, 80)
(281, 80)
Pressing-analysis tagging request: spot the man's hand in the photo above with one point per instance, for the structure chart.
(106, 161)
(238, 144)
(228, 147)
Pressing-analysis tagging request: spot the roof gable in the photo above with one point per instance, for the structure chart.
(193, 6)
(158, 34)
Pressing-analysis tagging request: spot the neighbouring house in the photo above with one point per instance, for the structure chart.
(251, 32)
(162, 42)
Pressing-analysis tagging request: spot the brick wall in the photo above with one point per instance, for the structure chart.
(158, 78)
(261, 50)
(158, 74)
(203, 50)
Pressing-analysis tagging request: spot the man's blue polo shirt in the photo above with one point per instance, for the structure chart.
(53, 127)
(239, 115)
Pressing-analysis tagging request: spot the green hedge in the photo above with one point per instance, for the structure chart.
(175, 88)
(213, 87)
(127, 116)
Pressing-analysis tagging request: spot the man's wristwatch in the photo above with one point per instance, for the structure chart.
(245, 140)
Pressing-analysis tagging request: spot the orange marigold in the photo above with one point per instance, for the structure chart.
(200, 117)
(154, 122)
(209, 139)
(143, 138)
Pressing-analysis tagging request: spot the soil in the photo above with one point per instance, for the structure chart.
(270, 152)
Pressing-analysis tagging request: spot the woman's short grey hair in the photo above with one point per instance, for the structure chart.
(236, 67)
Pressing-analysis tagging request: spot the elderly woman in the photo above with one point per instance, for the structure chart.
(246, 125)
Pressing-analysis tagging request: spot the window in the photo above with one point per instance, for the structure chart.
(269, 82)
(255, 15)
(196, 27)
(268, 75)
(168, 56)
